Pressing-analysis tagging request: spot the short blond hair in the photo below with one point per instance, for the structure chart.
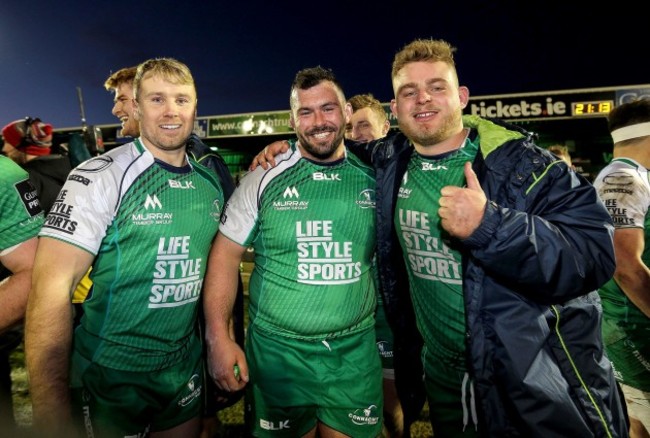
(122, 76)
(361, 101)
(427, 50)
(168, 68)
(561, 151)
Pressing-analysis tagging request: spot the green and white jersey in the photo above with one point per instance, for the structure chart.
(150, 226)
(433, 264)
(624, 187)
(312, 226)
(21, 215)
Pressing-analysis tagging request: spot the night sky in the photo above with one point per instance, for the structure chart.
(244, 55)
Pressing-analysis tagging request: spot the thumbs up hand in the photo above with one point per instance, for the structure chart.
(462, 208)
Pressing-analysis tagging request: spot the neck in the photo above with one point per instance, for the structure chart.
(639, 152)
(337, 154)
(173, 156)
(452, 143)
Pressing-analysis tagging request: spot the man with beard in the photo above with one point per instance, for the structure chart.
(311, 362)
(503, 248)
(144, 215)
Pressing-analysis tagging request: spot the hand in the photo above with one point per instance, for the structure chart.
(266, 158)
(461, 209)
(227, 366)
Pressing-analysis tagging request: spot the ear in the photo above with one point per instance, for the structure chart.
(347, 112)
(136, 110)
(292, 123)
(386, 127)
(393, 107)
(463, 94)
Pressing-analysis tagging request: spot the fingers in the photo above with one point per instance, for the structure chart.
(471, 178)
(266, 158)
(237, 380)
(259, 160)
(269, 159)
(230, 378)
(243, 373)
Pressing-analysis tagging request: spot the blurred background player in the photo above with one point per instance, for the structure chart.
(28, 142)
(370, 122)
(624, 187)
(21, 218)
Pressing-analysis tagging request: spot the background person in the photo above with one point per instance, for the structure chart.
(310, 351)
(120, 84)
(21, 218)
(144, 215)
(28, 142)
(624, 187)
(368, 122)
(562, 152)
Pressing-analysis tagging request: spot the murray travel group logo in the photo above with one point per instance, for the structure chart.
(152, 213)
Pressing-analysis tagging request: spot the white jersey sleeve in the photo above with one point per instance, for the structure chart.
(88, 201)
(624, 188)
(240, 219)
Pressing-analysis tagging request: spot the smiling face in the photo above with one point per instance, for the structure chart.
(365, 125)
(428, 103)
(166, 112)
(318, 116)
(123, 109)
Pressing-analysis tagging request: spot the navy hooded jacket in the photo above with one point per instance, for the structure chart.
(530, 275)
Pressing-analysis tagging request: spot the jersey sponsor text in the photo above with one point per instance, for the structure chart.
(176, 278)
(428, 256)
(322, 260)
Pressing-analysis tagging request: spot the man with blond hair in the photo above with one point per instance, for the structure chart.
(143, 215)
(368, 121)
(121, 84)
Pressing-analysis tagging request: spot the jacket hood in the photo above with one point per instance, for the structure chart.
(492, 135)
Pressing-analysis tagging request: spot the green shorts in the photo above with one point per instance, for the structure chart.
(384, 342)
(628, 347)
(294, 383)
(452, 407)
(115, 403)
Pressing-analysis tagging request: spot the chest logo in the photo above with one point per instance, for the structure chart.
(291, 192)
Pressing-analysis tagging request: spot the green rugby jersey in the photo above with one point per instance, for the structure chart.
(150, 226)
(312, 226)
(21, 215)
(433, 264)
(624, 187)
